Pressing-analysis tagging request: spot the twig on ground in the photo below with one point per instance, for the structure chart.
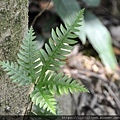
(39, 14)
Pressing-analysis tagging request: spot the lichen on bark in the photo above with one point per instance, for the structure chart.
(13, 25)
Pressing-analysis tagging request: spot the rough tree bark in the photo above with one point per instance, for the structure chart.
(13, 25)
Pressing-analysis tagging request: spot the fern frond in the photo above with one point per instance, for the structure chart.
(57, 83)
(28, 55)
(44, 99)
(39, 66)
(16, 73)
(58, 46)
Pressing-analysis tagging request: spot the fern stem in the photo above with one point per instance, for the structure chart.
(48, 62)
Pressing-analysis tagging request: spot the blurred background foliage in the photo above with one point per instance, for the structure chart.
(94, 30)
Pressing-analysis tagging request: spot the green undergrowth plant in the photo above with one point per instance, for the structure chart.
(39, 67)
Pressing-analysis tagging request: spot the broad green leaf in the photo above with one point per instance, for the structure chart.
(82, 33)
(92, 3)
(100, 39)
(65, 9)
(40, 40)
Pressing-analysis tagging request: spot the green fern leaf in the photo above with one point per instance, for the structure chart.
(16, 73)
(58, 46)
(39, 66)
(28, 55)
(61, 84)
(44, 99)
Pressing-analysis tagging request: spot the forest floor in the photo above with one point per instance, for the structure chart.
(103, 84)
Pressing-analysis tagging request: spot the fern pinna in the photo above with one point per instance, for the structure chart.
(39, 67)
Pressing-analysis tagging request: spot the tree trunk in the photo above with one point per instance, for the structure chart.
(13, 25)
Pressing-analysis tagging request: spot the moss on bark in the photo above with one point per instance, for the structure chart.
(13, 25)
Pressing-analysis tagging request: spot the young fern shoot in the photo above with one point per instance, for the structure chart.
(39, 67)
